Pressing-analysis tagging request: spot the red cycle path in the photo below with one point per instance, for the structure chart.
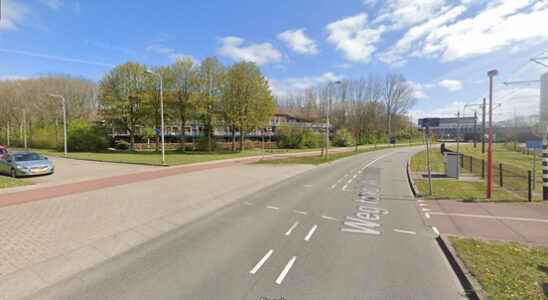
(101, 183)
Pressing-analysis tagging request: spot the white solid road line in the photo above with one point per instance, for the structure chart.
(310, 233)
(436, 230)
(282, 275)
(329, 218)
(291, 228)
(261, 262)
(491, 217)
(300, 212)
(404, 231)
(273, 207)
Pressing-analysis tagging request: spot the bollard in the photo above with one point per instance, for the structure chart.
(471, 164)
(529, 186)
(483, 168)
(500, 175)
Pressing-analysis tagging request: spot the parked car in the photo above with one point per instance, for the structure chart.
(25, 164)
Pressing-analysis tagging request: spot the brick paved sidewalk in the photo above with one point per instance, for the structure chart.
(43, 242)
(519, 222)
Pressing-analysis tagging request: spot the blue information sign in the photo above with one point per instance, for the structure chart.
(534, 144)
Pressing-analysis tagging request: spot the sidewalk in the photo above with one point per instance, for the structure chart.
(519, 222)
(76, 226)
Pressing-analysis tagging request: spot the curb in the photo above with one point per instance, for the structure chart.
(410, 179)
(472, 288)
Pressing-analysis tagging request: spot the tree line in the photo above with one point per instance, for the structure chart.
(236, 98)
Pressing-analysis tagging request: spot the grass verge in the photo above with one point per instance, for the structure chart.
(506, 270)
(8, 182)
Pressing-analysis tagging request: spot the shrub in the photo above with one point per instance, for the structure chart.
(85, 136)
(122, 145)
(291, 137)
(343, 138)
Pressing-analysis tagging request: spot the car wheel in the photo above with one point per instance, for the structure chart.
(13, 173)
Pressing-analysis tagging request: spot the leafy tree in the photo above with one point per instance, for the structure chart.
(86, 136)
(343, 138)
(210, 77)
(122, 92)
(247, 101)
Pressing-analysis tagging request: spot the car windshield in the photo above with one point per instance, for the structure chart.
(27, 157)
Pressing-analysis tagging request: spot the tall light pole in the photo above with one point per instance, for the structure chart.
(489, 189)
(64, 121)
(328, 126)
(161, 113)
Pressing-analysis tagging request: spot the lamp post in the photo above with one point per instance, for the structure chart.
(327, 129)
(489, 189)
(64, 121)
(148, 71)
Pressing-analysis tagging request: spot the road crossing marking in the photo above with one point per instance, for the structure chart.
(405, 231)
(300, 212)
(436, 230)
(427, 215)
(282, 275)
(291, 228)
(273, 207)
(261, 262)
(310, 233)
(426, 209)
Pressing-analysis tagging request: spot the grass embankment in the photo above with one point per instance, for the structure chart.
(8, 182)
(451, 188)
(317, 160)
(506, 270)
(515, 167)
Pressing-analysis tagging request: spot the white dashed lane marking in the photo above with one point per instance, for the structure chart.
(405, 231)
(310, 233)
(273, 207)
(329, 218)
(291, 228)
(300, 212)
(282, 275)
(261, 262)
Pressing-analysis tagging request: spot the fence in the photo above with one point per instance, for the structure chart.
(518, 181)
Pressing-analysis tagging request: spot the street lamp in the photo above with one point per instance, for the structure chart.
(327, 119)
(148, 71)
(489, 189)
(64, 121)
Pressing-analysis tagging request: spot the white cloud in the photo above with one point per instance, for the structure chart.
(169, 52)
(403, 13)
(419, 89)
(55, 58)
(286, 86)
(12, 77)
(53, 4)
(354, 38)
(13, 15)
(298, 41)
(498, 25)
(232, 47)
(395, 55)
(451, 85)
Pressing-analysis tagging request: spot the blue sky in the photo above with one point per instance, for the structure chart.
(444, 47)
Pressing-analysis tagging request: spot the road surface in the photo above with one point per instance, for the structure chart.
(347, 230)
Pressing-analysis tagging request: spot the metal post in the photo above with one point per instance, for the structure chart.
(262, 137)
(25, 129)
(64, 104)
(545, 169)
(529, 186)
(501, 181)
(426, 137)
(8, 134)
(458, 144)
(534, 169)
(475, 129)
(162, 135)
(483, 107)
(483, 168)
(489, 189)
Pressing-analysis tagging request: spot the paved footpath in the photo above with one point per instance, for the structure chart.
(519, 222)
(50, 233)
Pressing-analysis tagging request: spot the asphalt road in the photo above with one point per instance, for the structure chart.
(309, 237)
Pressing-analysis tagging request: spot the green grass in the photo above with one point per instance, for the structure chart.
(317, 160)
(506, 270)
(8, 182)
(450, 189)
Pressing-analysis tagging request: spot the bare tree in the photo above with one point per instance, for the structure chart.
(398, 97)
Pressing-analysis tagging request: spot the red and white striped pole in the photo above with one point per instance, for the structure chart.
(545, 168)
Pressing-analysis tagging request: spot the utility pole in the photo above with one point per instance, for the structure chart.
(489, 189)
(483, 127)
(64, 103)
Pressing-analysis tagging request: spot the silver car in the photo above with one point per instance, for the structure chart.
(25, 164)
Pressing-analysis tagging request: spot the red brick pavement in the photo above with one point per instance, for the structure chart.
(520, 222)
(101, 183)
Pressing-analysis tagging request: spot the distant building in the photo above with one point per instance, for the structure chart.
(448, 128)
